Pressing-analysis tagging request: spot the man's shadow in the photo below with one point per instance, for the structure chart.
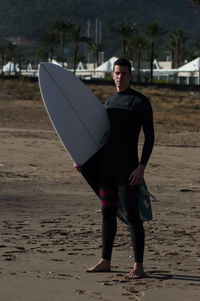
(164, 275)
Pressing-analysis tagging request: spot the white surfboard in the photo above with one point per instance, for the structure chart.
(78, 117)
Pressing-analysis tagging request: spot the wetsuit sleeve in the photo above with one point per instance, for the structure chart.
(146, 115)
(106, 103)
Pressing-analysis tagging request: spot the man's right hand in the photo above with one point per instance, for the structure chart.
(77, 167)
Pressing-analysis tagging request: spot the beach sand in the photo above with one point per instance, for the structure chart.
(50, 220)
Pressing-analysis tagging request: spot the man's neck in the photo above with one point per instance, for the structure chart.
(122, 90)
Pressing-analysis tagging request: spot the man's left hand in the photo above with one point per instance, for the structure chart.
(137, 175)
(77, 167)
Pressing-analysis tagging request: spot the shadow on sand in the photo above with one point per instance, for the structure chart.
(166, 275)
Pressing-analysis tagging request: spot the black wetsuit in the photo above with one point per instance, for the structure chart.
(128, 111)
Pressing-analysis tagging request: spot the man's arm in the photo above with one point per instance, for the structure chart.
(148, 129)
(146, 115)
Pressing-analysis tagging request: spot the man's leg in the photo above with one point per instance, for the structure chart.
(128, 196)
(109, 203)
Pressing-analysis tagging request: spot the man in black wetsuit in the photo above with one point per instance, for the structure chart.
(121, 171)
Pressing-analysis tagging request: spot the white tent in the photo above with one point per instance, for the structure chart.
(80, 66)
(55, 62)
(191, 66)
(190, 72)
(29, 67)
(107, 66)
(10, 67)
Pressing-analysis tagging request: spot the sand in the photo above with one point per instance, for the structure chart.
(50, 220)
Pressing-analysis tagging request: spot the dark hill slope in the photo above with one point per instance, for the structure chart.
(30, 19)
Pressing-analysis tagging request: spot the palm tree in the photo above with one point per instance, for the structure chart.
(153, 31)
(138, 44)
(94, 48)
(194, 4)
(197, 47)
(18, 58)
(49, 39)
(76, 38)
(42, 55)
(179, 40)
(197, 52)
(170, 47)
(62, 27)
(2, 55)
(11, 51)
(124, 32)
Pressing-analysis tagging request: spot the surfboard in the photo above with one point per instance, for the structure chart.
(77, 115)
(82, 125)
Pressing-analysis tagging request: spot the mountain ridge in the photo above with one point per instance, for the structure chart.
(29, 20)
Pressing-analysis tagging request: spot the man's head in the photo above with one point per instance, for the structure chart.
(122, 74)
(122, 62)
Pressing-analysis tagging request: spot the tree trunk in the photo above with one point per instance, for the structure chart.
(75, 56)
(51, 54)
(138, 67)
(151, 61)
(124, 48)
(2, 64)
(63, 52)
(178, 53)
(172, 59)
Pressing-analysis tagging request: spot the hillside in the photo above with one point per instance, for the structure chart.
(30, 19)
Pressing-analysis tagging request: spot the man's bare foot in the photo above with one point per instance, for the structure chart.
(136, 273)
(102, 266)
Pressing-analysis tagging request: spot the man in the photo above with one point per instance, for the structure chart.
(121, 171)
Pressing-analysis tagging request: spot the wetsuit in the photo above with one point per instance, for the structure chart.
(128, 111)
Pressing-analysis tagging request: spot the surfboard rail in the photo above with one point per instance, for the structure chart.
(77, 115)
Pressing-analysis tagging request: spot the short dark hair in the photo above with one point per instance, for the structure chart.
(123, 62)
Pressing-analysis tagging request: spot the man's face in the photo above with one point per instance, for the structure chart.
(121, 77)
